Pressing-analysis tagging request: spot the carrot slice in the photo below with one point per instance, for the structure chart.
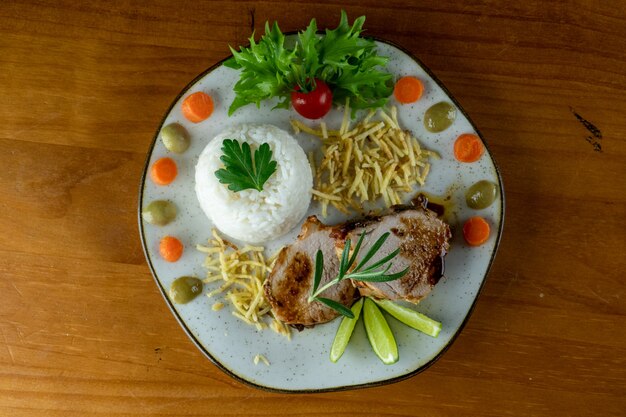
(476, 231)
(163, 171)
(408, 90)
(170, 248)
(197, 107)
(468, 148)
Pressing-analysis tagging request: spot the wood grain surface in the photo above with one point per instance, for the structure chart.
(83, 86)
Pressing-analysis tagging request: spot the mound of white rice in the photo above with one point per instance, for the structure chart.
(250, 215)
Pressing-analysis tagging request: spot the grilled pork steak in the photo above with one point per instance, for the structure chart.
(289, 284)
(423, 240)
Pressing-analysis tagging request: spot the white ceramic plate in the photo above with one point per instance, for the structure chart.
(302, 364)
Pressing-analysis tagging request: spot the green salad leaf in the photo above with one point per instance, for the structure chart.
(344, 60)
(240, 172)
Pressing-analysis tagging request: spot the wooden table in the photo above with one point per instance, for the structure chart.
(83, 86)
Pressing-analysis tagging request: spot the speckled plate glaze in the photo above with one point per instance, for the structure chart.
(302, 364)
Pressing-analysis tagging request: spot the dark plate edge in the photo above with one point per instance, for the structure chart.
(333, 389)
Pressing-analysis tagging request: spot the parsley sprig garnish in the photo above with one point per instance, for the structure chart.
(376, 272)
(344, 60)
(240, 172)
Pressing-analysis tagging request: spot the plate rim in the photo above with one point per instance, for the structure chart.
(372, 384)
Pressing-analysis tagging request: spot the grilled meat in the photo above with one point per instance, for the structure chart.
(423, 240)
(289, 284)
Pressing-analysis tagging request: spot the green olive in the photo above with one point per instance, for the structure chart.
(439, 117)
(185, 289)
(175, 138)
(481, 195)
(159, 212)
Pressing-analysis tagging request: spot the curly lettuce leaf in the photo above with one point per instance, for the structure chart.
(266, 70)
(347, 62)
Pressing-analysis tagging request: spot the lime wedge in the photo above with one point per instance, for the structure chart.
(379, 334)
(345, 331)
(411, 318)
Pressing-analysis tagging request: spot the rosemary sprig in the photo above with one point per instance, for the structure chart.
(376, 272)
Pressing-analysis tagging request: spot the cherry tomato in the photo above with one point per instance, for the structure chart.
(314, 104)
